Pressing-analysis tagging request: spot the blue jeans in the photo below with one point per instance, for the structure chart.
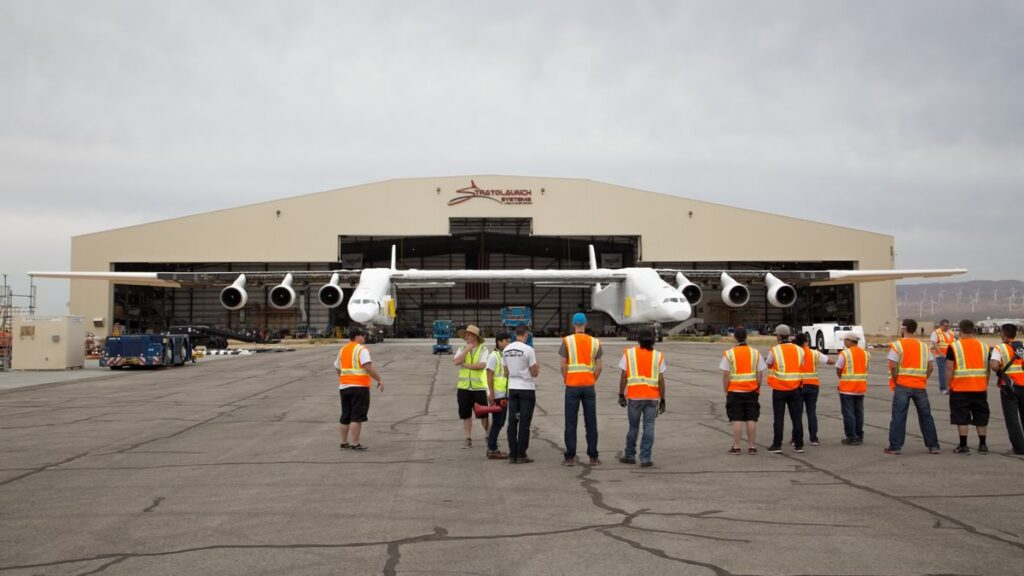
(940, 367)
(634, 410)
(574, 396)
(853, 415)
(809, 399)
(901, 399)
(497, 421)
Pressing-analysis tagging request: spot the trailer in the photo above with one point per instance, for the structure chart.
(217, 338)
(826, 336)
(146, 350)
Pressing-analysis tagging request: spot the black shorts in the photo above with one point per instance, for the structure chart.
(742, 406)
(355, 404)
(466, 400)
(968, 408)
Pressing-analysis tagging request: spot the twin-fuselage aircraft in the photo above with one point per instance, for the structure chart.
(628, 295)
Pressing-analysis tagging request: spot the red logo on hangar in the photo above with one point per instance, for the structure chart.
(518, 196)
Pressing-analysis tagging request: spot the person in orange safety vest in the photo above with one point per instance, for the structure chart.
(785, 372)
(967, 366)
(355, 369)
(642, 392)
(852, 369)
(742, 373)
(1008, 363)
(581, 367)
(910, 365)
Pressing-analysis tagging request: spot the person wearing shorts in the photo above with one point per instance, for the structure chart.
(742, 372)
(967, 365)
(355, 370)
(472, 387)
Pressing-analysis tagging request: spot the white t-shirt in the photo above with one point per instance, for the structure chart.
(492, 365)
(518, 358)
(761, 366)
(623, 365)
(364, 359)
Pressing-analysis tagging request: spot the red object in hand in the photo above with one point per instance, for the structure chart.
(479, 410)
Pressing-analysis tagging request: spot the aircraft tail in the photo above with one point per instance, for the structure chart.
(593, 258)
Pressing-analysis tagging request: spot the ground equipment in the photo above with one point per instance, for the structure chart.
(442, 332)
(146, 350)
(512, 316)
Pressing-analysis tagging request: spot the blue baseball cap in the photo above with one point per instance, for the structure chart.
(579, 319)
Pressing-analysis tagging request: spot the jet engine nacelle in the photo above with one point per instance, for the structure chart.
(780, 294)
(283, 295)
(330, 294)
(234, 297)
(692, 292)
(734, 294)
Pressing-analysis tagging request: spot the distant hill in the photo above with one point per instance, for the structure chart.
(975, 299)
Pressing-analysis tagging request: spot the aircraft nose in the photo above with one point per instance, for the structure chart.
(681, 312)
(362, 313)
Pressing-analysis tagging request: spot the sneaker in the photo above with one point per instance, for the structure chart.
(359, 448)
(798, 449)
(525, 459)
(815, 442)
(513, 460)
(848, 441)
(646, 464)
(775, 449)
(945, 392)
(344, 446)
(595, 461)
(962, 450)
(569, 461)
(626, 460)
(752, 451)
(496, 455)
(858, 441)
(735, 451)
(983, 449)
(468, 444)
(935, 450)
(892, 451)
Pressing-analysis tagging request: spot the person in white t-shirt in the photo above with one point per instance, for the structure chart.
(521, 368)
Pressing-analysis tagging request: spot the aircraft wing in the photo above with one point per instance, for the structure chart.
(815, 277)
(347, 278)
(562, 277)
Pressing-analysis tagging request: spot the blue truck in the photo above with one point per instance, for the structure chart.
(146, 350)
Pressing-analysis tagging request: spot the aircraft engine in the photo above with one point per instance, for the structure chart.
(780, 294)
(234, 297)
(691, 291)
(330, 294)
(283, 295)
(734, 294)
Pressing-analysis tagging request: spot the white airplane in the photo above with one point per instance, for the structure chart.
(628, 295)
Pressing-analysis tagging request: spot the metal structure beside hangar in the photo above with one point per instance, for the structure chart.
(474, 222)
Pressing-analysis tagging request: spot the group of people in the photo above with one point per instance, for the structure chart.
(964, 364)
(505, 381)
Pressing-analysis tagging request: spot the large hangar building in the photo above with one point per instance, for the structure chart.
(475, 222)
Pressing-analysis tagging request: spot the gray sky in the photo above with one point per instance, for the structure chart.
(896, 117)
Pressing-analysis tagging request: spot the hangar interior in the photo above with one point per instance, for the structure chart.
(472, 243)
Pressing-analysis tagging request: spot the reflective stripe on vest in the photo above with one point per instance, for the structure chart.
(1015, 372)
(642, 371)
(352, 373)
(500, 382)
(971, 371)
(912, 370)
(743, 361)
(581, 350)
(810, 366)
(472, 379)
(787, 371)
(854, 379)
(945, 339)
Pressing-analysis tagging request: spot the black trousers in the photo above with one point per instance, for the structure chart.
(1013, 413)
(792, 399)
(520, 414)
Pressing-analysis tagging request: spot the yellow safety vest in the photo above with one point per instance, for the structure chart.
(472, 379)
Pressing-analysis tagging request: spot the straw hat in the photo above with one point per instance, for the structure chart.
(471, 329)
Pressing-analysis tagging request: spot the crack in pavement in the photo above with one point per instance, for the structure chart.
(718, 570)
(44, 468)
(263, 463)
(156, 502)
(426, 403)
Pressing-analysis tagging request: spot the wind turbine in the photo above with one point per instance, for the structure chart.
(959, 295)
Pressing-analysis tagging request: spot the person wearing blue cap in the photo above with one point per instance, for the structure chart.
(581, 366)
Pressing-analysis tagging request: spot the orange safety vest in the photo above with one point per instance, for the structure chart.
(581, 351)
(971, 371)
(1015, 372)
(642, 372)
(945, 339)
(787, 371)
(854, 379)
(913, 365)
(810, 367)
(743, 361)
(352, 372)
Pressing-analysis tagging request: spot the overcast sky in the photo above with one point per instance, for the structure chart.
(905, 118)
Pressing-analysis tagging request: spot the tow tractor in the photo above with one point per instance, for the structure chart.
(442, 332)
(827, 336)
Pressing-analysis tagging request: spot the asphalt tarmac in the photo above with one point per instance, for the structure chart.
(233, 467)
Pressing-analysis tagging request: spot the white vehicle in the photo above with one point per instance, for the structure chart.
(628, 295)
(828, 336)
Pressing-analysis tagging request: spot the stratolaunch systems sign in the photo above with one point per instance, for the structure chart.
(499, 195)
